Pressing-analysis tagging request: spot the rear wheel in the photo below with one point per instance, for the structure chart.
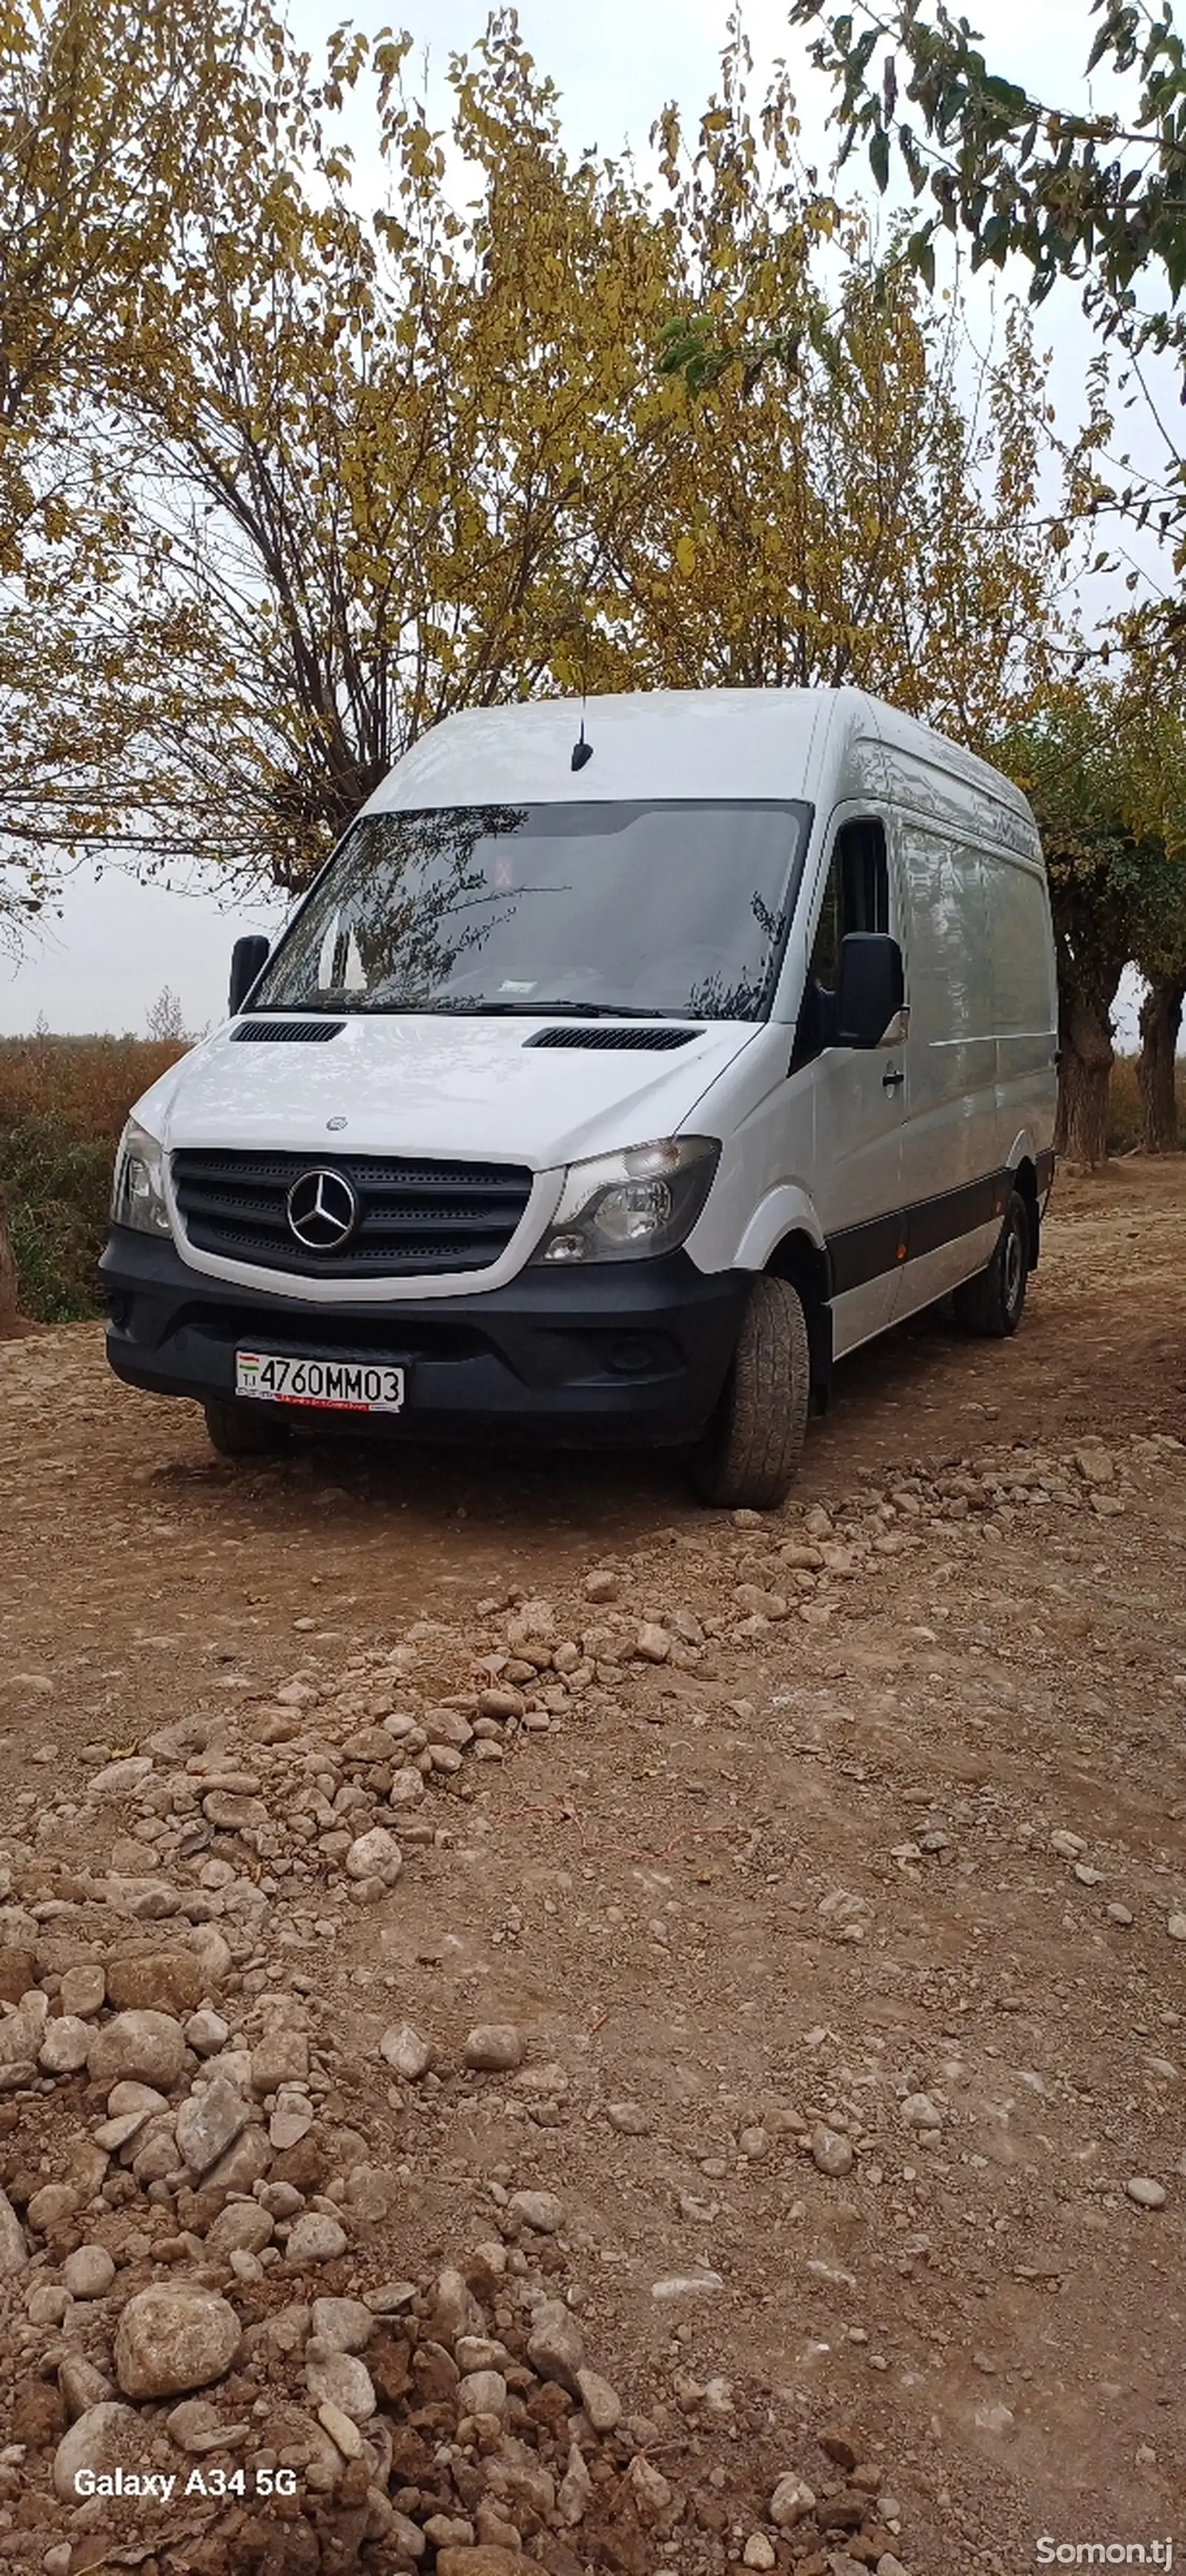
(993, 1303)
(243, 1430)
(752, 1447)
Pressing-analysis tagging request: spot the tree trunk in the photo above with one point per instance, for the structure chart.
(1161, 1021)
(1085, 1036)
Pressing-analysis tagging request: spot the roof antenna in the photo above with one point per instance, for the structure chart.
(582, 751)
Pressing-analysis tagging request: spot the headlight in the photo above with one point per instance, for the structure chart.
(626, 1207)
(138, 1193)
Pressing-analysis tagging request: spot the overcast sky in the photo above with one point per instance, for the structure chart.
(103, 963)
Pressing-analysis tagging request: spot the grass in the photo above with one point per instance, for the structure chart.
(63, 1102)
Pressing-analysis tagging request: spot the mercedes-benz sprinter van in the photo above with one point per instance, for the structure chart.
(622, 1069)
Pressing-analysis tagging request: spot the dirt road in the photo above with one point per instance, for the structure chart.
(861, 1884)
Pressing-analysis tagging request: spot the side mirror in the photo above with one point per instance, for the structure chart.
(870, 988)
(249, 956)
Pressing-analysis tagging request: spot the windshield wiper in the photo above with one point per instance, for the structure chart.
(446, 1008)
(569, 1010)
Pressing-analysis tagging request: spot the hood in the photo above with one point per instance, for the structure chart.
(469, 1089)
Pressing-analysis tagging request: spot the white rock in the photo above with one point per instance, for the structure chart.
(650, 2489)
(758, 2551)
(170, 2339)
(493, 2047)
(629, 2119)
(206, 2033)
(1146, 2193)
(47, 2306)
(14, 2253)
(89, 2272)
(341, 2428)
(375, 1855)
(340, 2379)
(482, 2392)
(575, 2492)
(208, 2122)
(120, 1779)
(66, 2045)
(831, 2151)
(147, 2045)
(602, 2404)
(243, 2227)
(83, 1989)
(919, 2112)
(286, 2128)
(345, 2325)
(556, 2346)
(315, 2237)
(406, 2050)
(106, 2437)
(1176, 1927)
(540, 2210)
(792, 2498)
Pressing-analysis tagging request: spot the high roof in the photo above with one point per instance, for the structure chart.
(665, 743)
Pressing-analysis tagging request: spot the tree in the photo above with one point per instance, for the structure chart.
(426, 462)
(1105, 770)
(1098, 198)
(1160, 1026)
(166, 1018)
(108, 110)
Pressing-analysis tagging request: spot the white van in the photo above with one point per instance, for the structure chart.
(608, 1085)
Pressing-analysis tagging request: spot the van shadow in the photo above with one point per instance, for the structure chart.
(627, 1496)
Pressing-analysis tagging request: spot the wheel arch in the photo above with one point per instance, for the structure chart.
(1024, 1175)
(804, 1263)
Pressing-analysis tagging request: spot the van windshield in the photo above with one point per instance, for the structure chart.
(636, 911)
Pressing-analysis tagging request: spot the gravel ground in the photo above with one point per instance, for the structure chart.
(544, 2020)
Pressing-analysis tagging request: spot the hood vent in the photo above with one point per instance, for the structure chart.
(263, 1032)
(658, 1041)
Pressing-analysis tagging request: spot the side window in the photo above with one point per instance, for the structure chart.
(856, 897)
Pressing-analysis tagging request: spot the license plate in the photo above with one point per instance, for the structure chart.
(334, 1386)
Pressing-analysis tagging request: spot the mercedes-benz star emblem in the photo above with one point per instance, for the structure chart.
(322, 1211)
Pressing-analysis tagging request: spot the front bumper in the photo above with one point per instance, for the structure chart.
(633, 1350)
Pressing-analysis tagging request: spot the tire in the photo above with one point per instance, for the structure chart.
(752, 1447)
(243, 1430)
(993, 1303)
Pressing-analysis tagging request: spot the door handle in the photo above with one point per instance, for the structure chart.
(892, 1081)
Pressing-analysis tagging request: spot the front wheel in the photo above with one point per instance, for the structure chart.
(753, 1444)
(243, 1430)
(993, 1303)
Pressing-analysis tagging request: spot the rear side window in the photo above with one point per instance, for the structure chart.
(856, 897)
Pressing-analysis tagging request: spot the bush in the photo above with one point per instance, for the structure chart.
(63, 1102)
(1124, 1104)
(56, 1188)
(87, 1084)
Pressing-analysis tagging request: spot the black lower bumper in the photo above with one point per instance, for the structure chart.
(625, 1351)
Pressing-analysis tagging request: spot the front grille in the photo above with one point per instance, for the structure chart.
(414, 1219)
(653, 1039)
(286, 1032)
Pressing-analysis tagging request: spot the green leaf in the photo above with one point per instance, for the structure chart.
(879, 155)
(920, 253)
